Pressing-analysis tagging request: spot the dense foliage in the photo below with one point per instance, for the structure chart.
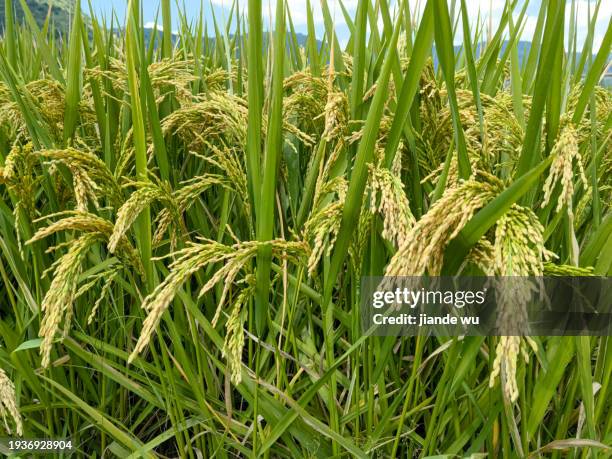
(184, 225)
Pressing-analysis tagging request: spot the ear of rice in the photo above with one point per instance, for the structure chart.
(565, 151)
(58, 302)
(193, 258)
(18, 174)
(423, 247)
(92, 224)
(233, 344)
(518, 251)
(146, 193)
(8, 404)
(92, 178)
(322, 227)
(389, 200)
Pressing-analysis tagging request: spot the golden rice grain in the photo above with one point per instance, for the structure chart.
(8, 404)
(193, 258)
(389, 200)
(423, 247)
(565, 151)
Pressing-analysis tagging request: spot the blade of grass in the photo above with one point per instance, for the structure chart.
(446, 56)
(530, 152)
(588, 41)
(167, 25)
(560, 353)
(594, 74)
(73, 82)
(359, 49)
(420, 53)
(554, 101)
(46, 52)
(313, 53)
(255, 93)
(140, 146)
(98, 418)
(471, 66)
(274, 146)
(583, 359)
(332, 38)
(530, 64)
(352, 206)
(9, 33)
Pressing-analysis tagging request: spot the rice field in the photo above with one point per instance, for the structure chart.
(184, 225)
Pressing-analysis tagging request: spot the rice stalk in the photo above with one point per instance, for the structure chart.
(167, 75)
(219, 119)
(214, 137)
(49, 99)
(336, 116)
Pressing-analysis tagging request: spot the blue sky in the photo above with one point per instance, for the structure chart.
(298, 13)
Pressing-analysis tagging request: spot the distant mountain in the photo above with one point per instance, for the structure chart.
(60, 12)
(302, 39)
(523, 48)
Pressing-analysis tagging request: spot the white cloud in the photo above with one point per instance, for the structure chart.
(160, 27)
(582, 10)
(529, 28)
(152, 25)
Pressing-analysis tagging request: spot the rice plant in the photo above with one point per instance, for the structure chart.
(185, 221)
